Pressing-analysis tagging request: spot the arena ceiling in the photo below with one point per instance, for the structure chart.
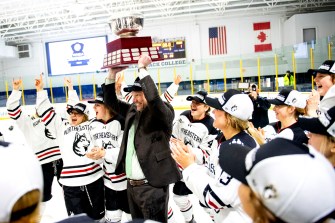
(38, 20)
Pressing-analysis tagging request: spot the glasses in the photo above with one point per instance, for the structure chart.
(75, 113)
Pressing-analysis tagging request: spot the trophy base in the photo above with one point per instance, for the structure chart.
(127, 50)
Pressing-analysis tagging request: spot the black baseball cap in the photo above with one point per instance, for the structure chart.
(135, 87)
(323, 125)
(98, 100)
(327, 67)
(198, 97)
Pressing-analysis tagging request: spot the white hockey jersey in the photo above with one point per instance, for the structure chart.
(220, 192)
(38, 137)
(74, 142)
(109, 136)
(199, 135)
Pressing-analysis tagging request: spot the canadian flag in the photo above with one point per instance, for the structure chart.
(262, 33)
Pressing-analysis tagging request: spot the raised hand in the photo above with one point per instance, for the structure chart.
(177, 79)
(68, 82)
(181, 153)
(39, 83)
(144, 61)
(17, 83)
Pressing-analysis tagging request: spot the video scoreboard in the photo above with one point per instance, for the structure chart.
(171, 48)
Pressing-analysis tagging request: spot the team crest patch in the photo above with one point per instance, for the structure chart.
(80, 144)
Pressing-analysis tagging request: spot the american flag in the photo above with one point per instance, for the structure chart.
(217, 40)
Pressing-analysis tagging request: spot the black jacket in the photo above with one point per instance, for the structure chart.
(152, 135)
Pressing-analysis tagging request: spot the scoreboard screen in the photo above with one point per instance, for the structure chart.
(171, 48)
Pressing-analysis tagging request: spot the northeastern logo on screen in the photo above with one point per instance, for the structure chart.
(78, 55)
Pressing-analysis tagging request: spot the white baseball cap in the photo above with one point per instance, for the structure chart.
(233, 102)
(294, 181)
(20, 173)
(289, 97)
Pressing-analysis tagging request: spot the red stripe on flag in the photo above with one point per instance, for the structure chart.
(262, 26)
(263, 47)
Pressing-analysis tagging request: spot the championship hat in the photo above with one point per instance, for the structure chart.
(98, 100)
(327, 67)
(198, 97)
(135, 87)
(234, 103)
(289, 97)
(294, 181)
(80, 108)
(20, 173)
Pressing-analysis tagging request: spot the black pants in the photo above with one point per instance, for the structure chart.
(148, 202)
(116, 200)
(50, 170)
(87, 199)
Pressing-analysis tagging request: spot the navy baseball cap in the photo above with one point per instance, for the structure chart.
(81, 108)
(99, 99)
(328, 67)
(198, 97)
(135, 87)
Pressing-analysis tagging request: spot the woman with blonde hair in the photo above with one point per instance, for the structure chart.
(279, 181)
(217, 190)
(322, 133)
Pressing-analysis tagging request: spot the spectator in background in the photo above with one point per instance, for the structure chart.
(260, 116)
(145, 153)
(280, 180)
(288, 79)
(324, 78)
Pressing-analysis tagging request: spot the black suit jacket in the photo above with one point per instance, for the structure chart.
(152, 134)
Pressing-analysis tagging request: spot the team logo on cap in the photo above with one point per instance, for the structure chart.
(233, 108)
(270, 192)
(294, 100)
(280, 97)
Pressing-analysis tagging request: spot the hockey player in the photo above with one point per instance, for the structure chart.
(194, 128)
(38, 137)
(232, 111)
(106, 131)
(81, 176)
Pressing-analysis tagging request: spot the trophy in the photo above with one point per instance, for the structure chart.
(126, 50)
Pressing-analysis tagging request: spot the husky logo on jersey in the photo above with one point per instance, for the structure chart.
(48, 134)
(107, 145)
(80, 144)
